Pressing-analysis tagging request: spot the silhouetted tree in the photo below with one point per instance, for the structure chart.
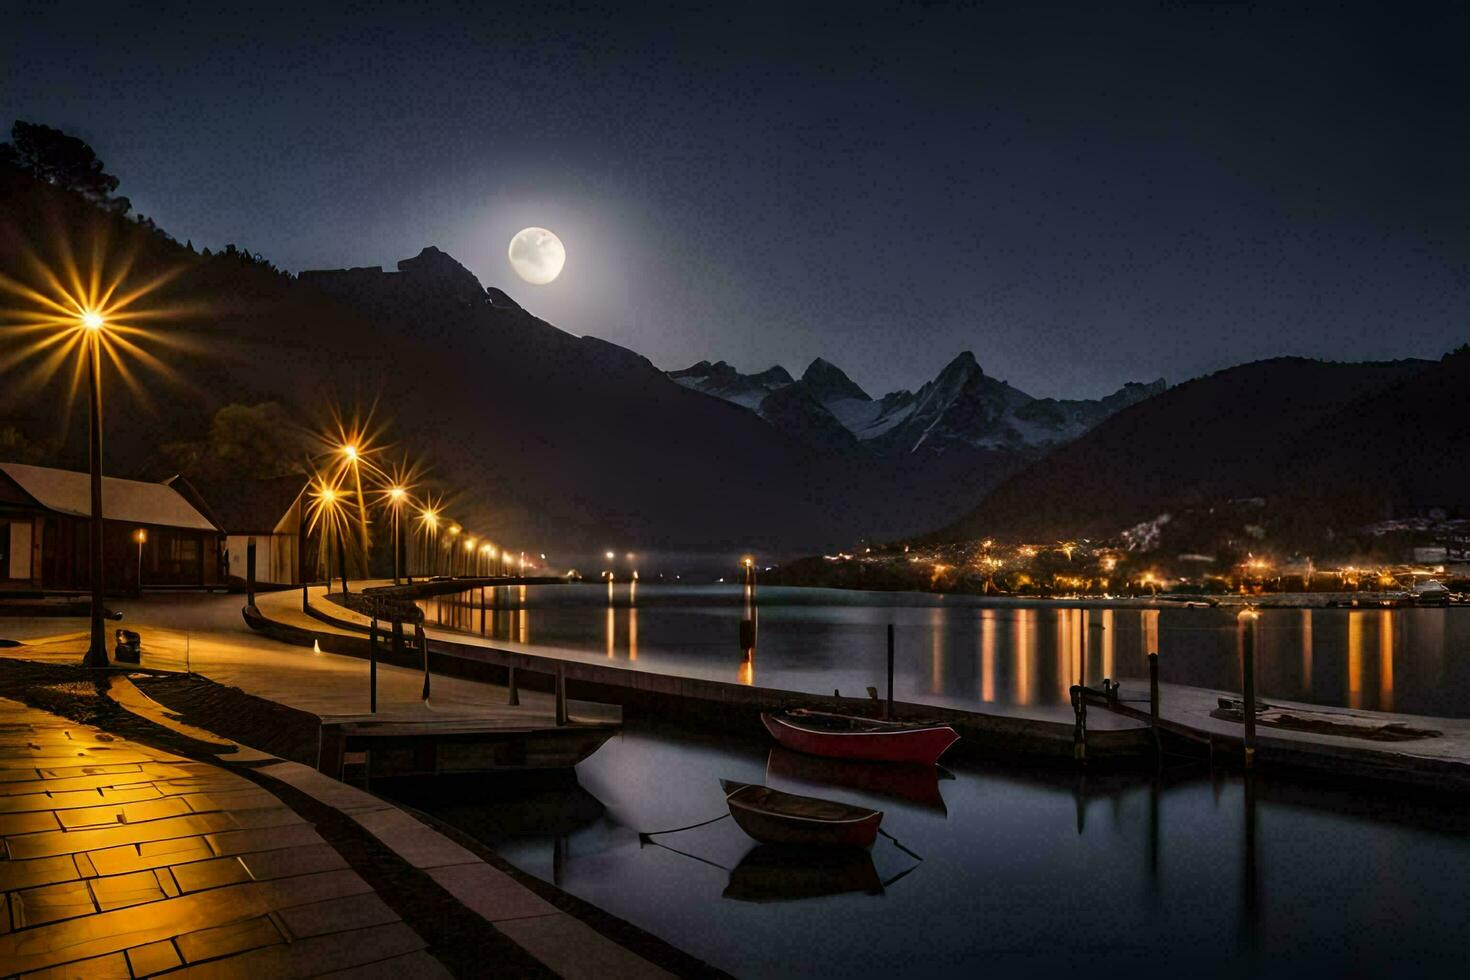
(257, 441)
(63, 161)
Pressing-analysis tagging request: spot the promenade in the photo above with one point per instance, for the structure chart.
(124, 859)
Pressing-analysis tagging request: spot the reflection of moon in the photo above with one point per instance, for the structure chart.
(537, 255)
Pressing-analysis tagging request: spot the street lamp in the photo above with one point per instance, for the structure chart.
(429, 520)
(140, 536)
(93, 323)
(396, 496)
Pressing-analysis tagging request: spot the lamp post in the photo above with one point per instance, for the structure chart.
(140, 536)
(429, 520)
(97, 644)
(453, 533)
(395, 497)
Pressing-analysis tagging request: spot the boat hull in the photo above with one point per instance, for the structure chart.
(913, 746)
(855, 827)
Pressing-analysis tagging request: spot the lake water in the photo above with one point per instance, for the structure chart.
(1024, 873)
(967, 651)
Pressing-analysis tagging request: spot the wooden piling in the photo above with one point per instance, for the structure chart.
(561, 694)
(888, 708)
(373, 666)
(423, 640)
(249, 574)
(513, 693)
(1153, 702)
(1248, 621)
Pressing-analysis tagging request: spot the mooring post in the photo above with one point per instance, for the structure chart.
(373, 664)
(560, 694)
(249, 574)
(513, 689)
(1079, 730)
(1153, 701)
(423, 639)
(1248, 619)
(888, 709)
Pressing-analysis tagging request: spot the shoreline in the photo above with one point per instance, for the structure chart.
(1035, 735)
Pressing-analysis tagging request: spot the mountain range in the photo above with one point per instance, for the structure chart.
(1287, 453)
(562, 443)
(963, 409)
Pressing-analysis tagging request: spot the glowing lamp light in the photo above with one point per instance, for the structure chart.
(396, 494)
(140, 535)
(609, 556)
(92, 320)
(1248, 614)
(350, 451)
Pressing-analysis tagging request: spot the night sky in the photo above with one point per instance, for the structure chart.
(1082, 196)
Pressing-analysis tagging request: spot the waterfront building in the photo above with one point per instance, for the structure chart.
(265, 511)
(151, 534)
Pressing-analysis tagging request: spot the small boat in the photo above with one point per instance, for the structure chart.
(908, 785)
(853, 737)
(1431, 592)
(774, 817)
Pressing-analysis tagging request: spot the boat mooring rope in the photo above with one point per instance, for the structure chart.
(648, 836)
(900, 846)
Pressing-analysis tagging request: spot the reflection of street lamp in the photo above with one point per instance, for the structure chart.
(93, 322)
(140, 536)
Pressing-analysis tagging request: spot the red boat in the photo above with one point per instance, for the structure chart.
(774, 817)
(853, 737)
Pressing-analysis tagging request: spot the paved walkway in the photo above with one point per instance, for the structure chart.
(123, 860)
(331, 686)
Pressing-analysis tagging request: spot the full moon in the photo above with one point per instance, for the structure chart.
(537, 255)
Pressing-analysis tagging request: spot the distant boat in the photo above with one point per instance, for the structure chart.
(853, 737)
(774, 817)
(1431, 592)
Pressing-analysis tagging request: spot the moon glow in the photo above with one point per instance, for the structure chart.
(537, 255)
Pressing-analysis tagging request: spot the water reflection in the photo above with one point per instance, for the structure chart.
(961, 652)
(1306, 629)
(768, 873)
(987, 655)
(1186, 856)
(1385, 661)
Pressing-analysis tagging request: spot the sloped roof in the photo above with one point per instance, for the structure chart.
(69, 492)
(246, 506)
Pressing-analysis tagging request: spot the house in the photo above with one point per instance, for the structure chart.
(266, 511)
(151, 534)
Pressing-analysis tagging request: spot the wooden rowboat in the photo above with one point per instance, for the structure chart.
(853, 737)
(774, 817)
